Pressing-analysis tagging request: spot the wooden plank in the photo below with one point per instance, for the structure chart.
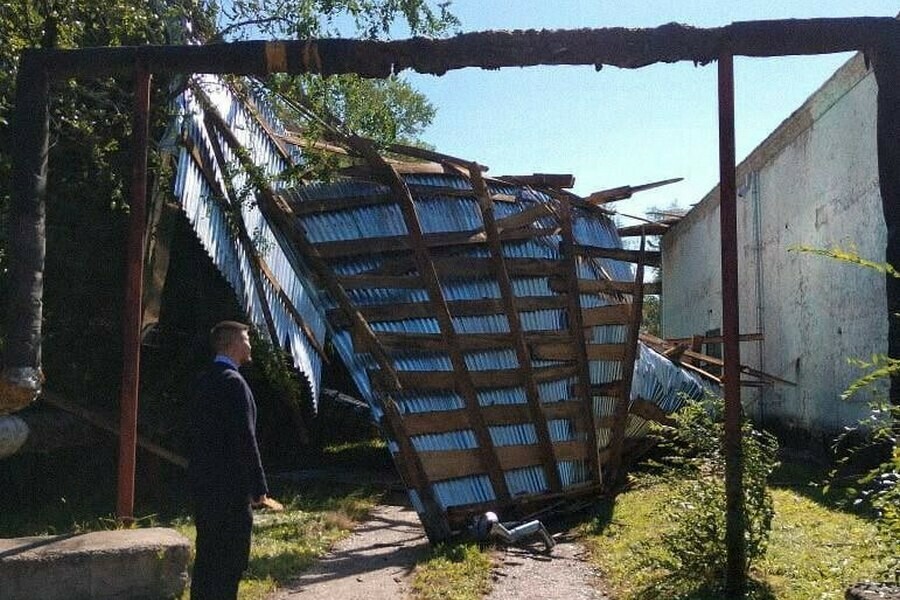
(450, 464)
(615, 46)
(525, 217)
(328, 205)
(505, 414)
(381, 245)
(456, 266)
(715, 339)
(643, 229)
(467, 342)
(647, 410)
(102, 422)
(501, 268)
(603, 286)
(620, 412)
(458, 308)
(576, 330)
(447, 380)
(541, 180)
(614, 314)
(569, 351)
(279, 213)
(626, 191)
(365, 281)
(418, 242)
(652, 258)
(610, 388)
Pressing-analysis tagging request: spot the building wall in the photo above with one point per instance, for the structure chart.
(813, 182)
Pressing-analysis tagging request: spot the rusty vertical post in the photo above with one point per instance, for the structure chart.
(131, 322)
(735, 574)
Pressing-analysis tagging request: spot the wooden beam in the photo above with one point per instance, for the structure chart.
(614, 314)
(714, 339)
(568, 351)
(603, 286)
(448, 380)
(279, 213)
(576, 330)
(500, 414)
(458, 308)
(651, 258)
(542, 180)
(417, 241)
(450, 464)
(626, 191)
(616, 46)
(643, 229)
(412, 469)
(380, 245)
(620, 414)
(524, 217)
(517, 334)
(231, 204)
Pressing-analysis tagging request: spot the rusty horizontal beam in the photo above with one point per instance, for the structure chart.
(615, 46)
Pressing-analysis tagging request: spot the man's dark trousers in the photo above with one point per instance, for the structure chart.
(223, 549)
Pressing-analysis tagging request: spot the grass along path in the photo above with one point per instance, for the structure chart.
(814, 552)
(284, 544)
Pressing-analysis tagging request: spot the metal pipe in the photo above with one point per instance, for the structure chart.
(735, 575)
(131, 322)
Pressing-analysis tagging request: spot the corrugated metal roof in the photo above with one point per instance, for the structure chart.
(439, 211)
(207, 215)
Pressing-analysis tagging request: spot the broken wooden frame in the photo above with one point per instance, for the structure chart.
(628, 48)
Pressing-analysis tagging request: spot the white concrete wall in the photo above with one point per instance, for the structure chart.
(813, 182)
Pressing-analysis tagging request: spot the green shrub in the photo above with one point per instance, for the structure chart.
(692, 545)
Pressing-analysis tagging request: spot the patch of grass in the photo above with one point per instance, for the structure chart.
(454, 572)
(814, 551)
(284, 544)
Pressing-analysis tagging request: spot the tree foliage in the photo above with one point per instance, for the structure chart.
(691, 549)
(87, 201)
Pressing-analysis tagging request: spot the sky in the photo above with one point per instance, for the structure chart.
(622, 126)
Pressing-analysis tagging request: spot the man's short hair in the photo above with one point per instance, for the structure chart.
(224, 333)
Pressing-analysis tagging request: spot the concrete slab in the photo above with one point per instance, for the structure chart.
(130, 564)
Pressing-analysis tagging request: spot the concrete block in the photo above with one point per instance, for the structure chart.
(131, 564)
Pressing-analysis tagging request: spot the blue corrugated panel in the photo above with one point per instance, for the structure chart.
(464, 490)
(208, 219)
(412, 402)
(528, 480)
(503, 396)
(563, 430)
(513, 435)
(572, 472)
(453, 440)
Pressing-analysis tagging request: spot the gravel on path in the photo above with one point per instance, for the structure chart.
(372, 564)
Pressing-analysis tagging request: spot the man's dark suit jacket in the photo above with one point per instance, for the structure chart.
(224, 466)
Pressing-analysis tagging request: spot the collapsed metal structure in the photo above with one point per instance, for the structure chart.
(880, 37)
(491, 324)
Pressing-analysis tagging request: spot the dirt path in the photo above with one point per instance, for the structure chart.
(372, 564)
(566, 574)
(375, 563)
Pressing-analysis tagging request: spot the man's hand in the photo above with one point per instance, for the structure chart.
(265, 502)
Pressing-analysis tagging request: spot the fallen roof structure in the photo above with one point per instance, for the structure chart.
(21, 378)
(491, 326)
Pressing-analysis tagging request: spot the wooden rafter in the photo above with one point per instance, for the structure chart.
(576, 328)
(463, 377)
(229, 199)
(651, 258)
(458, 308)
(507, 295)
(616, 46)
(620, 413)
(275, 210)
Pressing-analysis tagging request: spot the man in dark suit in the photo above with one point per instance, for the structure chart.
(224, 471)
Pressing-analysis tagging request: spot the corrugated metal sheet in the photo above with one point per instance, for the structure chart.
(655, 379)
(208, 218)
